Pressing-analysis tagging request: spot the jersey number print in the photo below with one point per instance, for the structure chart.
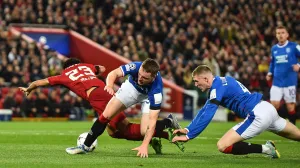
(75, 74)
(243, 87)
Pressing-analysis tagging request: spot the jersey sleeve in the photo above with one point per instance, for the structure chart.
(217, 92)
(131, 68)
(155, 95)
(201, 120)
(271, 68)
(155, 99)
(55, 80)
(297, 50)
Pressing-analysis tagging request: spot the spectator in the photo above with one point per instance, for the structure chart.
(42, 105)
(237, 33)
(66, 106)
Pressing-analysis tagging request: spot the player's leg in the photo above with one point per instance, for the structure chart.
(290, 131)
(117, 126)
(114, 107)
(276, 94)
(284, 128)
(290, 100)
(125, 97)
(256, 122)
(128, 130)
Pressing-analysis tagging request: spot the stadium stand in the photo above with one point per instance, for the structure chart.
(179, 34)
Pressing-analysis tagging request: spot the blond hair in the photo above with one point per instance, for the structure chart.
(201, 69)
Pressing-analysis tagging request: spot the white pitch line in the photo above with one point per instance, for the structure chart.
(39, 133)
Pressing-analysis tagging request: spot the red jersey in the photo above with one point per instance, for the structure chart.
(78, 78)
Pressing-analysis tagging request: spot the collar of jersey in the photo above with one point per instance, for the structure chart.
(281, 46)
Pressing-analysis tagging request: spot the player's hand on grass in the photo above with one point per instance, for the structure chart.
(109, 89)
(142, 151)
(180, 131)
(180, 139)
(296, 67)
(24, 90)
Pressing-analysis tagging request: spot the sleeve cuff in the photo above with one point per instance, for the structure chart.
(269, 73)
(187, 132)
(122, 70)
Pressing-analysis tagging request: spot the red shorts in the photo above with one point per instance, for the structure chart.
(98, 99)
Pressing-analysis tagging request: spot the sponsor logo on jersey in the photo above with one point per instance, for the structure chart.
(281, 59)
(275, 52)
(213, 94)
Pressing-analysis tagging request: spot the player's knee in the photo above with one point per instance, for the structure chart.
(114, 133)
(276, 105)
(111, 134)
(221, 146)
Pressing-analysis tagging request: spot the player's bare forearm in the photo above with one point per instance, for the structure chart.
(38, 83)
(34, 85)
(151, 126)
(112, 76)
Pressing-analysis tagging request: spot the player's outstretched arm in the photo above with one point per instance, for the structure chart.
(34, 85)
(111, 78)
(199, 123)
(143, 149)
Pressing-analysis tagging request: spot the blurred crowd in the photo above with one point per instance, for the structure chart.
(233, 37)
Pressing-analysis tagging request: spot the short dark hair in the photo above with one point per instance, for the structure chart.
(201, 69)
(71, 61)
(151, 66)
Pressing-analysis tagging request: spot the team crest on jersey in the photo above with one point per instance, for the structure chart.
(213, 94)
(130, 67)
(275, 52)
(288, 50)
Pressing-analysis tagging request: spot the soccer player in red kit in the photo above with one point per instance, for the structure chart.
(81, 79)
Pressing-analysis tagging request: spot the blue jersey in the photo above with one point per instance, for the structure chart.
(153, 90)
(283, 57)
(229, 93)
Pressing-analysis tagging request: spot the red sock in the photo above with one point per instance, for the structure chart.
(103, 120)
(228, 150)
(162, 134)
(117, 119)
(133, 132)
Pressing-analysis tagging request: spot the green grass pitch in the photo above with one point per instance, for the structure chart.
(42, 144)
